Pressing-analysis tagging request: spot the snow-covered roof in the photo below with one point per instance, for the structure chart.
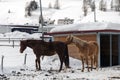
(90, 26)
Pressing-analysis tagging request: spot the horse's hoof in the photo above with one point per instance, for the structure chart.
(59, 71)
(82, 70)
(68, 67)
(38, 70)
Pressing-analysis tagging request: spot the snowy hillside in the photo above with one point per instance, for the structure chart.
(17, 11)
(13, 12)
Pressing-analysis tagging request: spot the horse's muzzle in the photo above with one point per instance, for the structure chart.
(21, 51)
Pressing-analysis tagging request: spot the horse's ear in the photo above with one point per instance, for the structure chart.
(69, 36)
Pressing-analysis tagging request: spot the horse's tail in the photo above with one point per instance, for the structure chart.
(97, 47)
(96, 54)
(66, 56)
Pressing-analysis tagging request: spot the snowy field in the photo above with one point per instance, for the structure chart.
(15, 69)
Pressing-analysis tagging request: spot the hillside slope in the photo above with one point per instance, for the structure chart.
(13, 12)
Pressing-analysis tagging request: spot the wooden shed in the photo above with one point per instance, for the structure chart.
(106, 34)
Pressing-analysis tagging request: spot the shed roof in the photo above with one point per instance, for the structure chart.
(86, 27)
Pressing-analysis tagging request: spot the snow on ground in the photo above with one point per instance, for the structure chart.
(15, 69)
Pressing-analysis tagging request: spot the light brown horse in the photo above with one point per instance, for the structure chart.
(42, 48)
(88, 51)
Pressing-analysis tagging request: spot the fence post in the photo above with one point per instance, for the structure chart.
(2, 62)
(25, 59)
(13, 43)
(9, 40)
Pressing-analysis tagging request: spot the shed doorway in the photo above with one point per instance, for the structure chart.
(109, 50)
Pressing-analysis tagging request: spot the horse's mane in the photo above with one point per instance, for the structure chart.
(31, 41)
(34, 40)
(79, 41)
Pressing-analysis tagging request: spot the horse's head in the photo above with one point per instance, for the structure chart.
(69, 39)
(23, 45)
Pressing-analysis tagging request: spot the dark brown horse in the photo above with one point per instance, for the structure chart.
(42, 48)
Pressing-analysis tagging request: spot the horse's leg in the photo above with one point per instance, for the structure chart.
(82, 64)
(36, 64)
(66, 62)
(61, 62)
(86, 58)
(91, 59)
(96, 61)
(39, 67)
(66, 57)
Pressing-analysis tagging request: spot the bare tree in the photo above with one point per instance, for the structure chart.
(92, 5)
(116, 5)
(50, 6)
(85, 7)
(57, 5)
(102, 5)
(89, 2)
(111, 4)
(30, 6)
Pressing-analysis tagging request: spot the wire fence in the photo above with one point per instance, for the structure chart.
(10, 41)
(17, 60)
(20, 59)
(11, 60)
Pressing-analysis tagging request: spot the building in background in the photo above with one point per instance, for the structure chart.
(106, 34)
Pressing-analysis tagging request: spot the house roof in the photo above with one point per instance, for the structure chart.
(86, 28)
